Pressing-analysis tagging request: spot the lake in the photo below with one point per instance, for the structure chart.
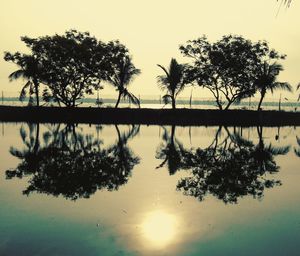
(149, 190)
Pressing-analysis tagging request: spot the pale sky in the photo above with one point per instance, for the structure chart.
(152, 30)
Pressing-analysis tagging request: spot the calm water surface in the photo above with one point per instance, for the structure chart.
(149, 190)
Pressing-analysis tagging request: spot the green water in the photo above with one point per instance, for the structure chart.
(149, 190)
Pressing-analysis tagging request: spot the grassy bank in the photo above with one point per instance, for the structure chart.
(148, 116)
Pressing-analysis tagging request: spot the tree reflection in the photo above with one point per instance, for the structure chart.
(231, 168)
(297, 150)
(74, 165)
(170, 151)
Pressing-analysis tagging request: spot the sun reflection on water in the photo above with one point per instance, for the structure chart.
(159, 228)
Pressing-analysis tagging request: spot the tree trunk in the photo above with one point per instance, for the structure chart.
(118, 101)
(219, 105)
(228, 105)
(173, 134)
(36, 86)
(37, 142)
(261, 100)
(173, 102)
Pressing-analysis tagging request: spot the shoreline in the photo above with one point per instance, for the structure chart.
(182, 117)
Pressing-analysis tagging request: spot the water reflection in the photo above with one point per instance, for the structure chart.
(71, 163)
(231, 167)
(66, 161)
(170, 151)
(159, 228)
(147, 215)
(297, 150)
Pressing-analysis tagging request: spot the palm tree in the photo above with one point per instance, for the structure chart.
(30, 70)
(172, 81)
(267, 80)
(123, 74)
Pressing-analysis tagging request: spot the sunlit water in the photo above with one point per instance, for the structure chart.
(149, 190)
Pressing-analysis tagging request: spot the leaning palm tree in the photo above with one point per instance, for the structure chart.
(173, 81)
(267, 80)
(123, 74)
(30, 70)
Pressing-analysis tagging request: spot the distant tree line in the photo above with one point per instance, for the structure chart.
(76, 64)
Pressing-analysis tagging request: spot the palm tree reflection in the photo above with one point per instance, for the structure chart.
(170, 151)
(230, 169)
(73, 165)
(297, 150)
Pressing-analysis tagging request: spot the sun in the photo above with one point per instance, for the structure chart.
(159, 228)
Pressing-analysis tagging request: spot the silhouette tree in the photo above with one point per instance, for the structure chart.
(173, 81)
(230, 169)
(74, 64)
(123, 73)
(228, 67)
(267, 80)
(30, 70)
(72, 165)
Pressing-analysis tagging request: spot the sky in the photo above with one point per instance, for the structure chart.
(152, 31)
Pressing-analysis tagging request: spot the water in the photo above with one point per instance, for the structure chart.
(149, 190)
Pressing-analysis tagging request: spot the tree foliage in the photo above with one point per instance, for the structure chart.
(30, 69)
(123, 73)
(172, 81)
(228, 67)
(266, 80)
(71, 65)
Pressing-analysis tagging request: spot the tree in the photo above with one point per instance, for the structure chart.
(30, 70)
(123, 73)
(173, 81)
(227, 68)
(74, 63)
(267, 80)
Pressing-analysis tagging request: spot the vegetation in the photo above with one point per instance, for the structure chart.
(266, 80)
(30, 70)
(172, 81)
(228, 68)
(76, 64)
(123, 73)
(71, 65)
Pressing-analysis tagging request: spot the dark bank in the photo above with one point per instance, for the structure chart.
(148, 116)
